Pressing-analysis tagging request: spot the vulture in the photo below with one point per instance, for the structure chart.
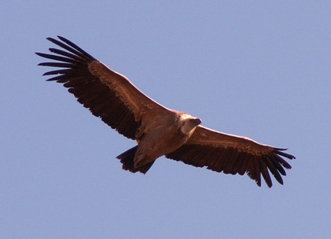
(157, 129)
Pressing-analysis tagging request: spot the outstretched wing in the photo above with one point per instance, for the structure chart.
(108, 94)
(232, 154)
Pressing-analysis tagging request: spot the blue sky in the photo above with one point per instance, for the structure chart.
(252, 68)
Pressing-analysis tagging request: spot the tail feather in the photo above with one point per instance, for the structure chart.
(127, 159)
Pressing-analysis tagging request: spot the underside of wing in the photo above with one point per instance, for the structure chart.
(232, 154)
(108, 94)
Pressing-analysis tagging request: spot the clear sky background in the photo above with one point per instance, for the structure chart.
(260, 69)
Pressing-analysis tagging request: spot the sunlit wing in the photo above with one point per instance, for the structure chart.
(108, 94)
(232, 154)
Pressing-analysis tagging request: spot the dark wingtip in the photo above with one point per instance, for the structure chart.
(51, 39)
(39, 54)
(258, 183)
(62, 38)
(279, 151)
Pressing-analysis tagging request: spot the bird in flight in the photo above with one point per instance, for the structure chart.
(157, 129)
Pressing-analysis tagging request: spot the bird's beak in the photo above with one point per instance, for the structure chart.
(197, 121)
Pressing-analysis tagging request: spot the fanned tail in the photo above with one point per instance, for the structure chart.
(127, 159)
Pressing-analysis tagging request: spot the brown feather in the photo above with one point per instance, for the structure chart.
(112, 97)
(232, 154)
(119, 107)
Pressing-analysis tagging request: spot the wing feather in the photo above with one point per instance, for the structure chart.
(232, 154)
(106, 93)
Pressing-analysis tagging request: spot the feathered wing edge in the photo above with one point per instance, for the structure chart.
(232, 155)
(107, 94)
(105, 101)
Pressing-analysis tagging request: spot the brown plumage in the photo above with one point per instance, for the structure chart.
(157, 129)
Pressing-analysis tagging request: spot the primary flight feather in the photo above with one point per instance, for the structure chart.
(157, 129)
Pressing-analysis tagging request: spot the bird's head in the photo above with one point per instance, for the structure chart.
(188, 124)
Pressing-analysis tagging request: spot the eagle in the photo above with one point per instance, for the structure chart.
(157, 129)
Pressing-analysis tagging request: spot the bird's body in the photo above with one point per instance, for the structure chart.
(161, 139)
(158, 130)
